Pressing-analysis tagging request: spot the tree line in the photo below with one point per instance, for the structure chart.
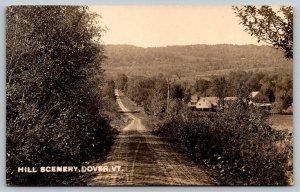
(277, 87)
(151, 92)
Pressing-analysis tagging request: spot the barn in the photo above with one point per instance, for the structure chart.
(259, 100)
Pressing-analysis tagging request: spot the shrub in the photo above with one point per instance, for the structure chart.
(237, 143)
(54, 102)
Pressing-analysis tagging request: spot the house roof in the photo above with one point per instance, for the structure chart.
(213, 100)
(254, 94)
(207, 102)
(262, 104)
(230, 98)
(258, 97)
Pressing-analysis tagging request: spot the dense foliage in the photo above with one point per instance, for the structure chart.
(55, 113)
(237, 144)
(278, 88)
(151, 92)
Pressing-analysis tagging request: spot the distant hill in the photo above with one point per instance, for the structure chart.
(192, 61)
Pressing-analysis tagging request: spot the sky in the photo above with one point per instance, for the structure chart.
(154, 26)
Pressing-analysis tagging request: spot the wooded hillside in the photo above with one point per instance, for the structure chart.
(193, 60)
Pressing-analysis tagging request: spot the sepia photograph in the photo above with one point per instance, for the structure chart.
(149, 95)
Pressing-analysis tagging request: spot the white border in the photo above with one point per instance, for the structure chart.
(3, 3)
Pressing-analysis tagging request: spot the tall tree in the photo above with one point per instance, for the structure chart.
(202, 86)
(121, 81)
(219, 86)
(268, 25)
(53, 97)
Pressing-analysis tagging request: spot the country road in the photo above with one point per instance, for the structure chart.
(146, 160)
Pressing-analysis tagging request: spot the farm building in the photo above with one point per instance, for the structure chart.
(208, 103)
(193, 102)
(259, 100)
(289, 109)
(230, 99)
(258, 97)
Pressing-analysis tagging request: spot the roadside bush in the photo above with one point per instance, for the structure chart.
(54, 107)
(237, 143)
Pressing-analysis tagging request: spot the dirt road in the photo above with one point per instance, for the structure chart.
(146, 160)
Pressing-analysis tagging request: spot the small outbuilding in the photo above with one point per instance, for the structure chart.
(259, 100)
(193, 101)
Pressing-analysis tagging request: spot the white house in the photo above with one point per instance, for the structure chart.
(257, 99)
(207, 103)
